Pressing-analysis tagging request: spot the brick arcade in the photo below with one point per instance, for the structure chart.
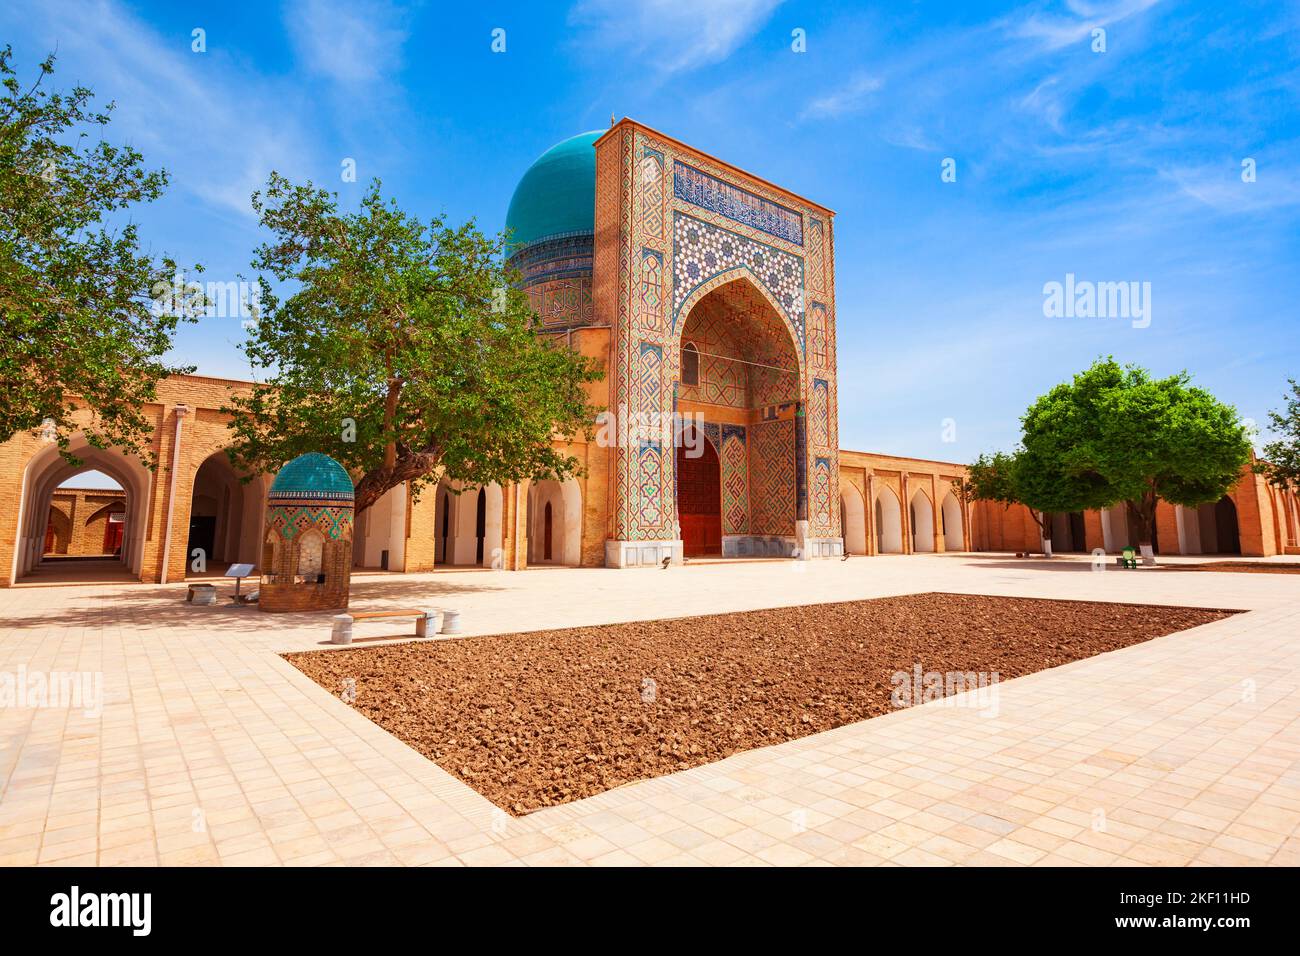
(708, 295)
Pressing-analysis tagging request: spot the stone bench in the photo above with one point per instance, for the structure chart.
(342, 633)
(201, 594)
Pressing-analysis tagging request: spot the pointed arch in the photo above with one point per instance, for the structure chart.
(922, 521)
(43, 474)
(953, 526)
(853, 516)
(889, 521)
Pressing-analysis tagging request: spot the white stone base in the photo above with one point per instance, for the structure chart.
(823, 548)
(641, 554)
(810, 548)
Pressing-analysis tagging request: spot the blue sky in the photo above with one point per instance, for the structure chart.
(1122, 165)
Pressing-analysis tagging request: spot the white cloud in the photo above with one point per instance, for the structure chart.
(676, 34)
(849, 98)
(349, 42)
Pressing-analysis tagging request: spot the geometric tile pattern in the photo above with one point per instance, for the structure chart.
(722, 379)
(702, 250)
(735, 481)
(821, 492)
(652, 195)
(650, 302)
(821, 415)
(772, 476)
(333, 520)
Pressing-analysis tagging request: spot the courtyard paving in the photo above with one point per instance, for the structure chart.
(213, 750)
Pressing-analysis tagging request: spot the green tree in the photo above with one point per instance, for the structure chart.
(404, 351)
(993, 478)
(1281, 464)
(1116, 434)
(80, 326)
(1025, 477)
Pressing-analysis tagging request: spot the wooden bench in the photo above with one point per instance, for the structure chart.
(342, 633)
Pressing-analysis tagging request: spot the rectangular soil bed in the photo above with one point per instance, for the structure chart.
(537, 719)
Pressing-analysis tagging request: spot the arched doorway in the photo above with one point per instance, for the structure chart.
(853, 519)
(889, 522)
(480, 524)
(226, 518)
(1068, 532)
(467, 525)
(922, 522)
(699, 496)
(58, 533)
(106, 528)
(43, 475)
(442, 526)
(548, 533)
(1209, 529)
(736, 482)
(950, 515)
(555, 522)
(1226, 531)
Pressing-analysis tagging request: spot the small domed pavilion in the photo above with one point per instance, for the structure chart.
(307, 553)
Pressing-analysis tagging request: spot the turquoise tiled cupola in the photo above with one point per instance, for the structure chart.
(557, 195)
(312, 475)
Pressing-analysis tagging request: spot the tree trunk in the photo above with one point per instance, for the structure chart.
(1142, 521)
(1044, 522)
(374, 484)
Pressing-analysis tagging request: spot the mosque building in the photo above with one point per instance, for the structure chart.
(708, 295)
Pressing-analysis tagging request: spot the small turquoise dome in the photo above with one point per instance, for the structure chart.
(557, 196)
(312, 475)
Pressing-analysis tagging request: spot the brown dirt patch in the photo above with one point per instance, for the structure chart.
(536, 719)
(1247, 567)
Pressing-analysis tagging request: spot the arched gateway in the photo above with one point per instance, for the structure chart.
(713, 292)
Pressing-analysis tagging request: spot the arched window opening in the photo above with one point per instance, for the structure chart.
(480, 525)
(690, 365)
(310, 557)
(546, 533)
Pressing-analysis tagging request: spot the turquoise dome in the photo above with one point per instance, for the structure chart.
(557, 196)
(312, 475)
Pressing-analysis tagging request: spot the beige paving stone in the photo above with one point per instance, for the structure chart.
(205, 716)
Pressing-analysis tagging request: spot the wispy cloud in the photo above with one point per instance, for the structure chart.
(1052, 32)
(849, 98)
(1222, 188)
(675, 35)
(1045, 102)
(351, 42)
(165, 105)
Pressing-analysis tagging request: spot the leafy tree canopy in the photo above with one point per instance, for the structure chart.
(1116, 434)
(80, 327)
(405, 351)
(1281, 462)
